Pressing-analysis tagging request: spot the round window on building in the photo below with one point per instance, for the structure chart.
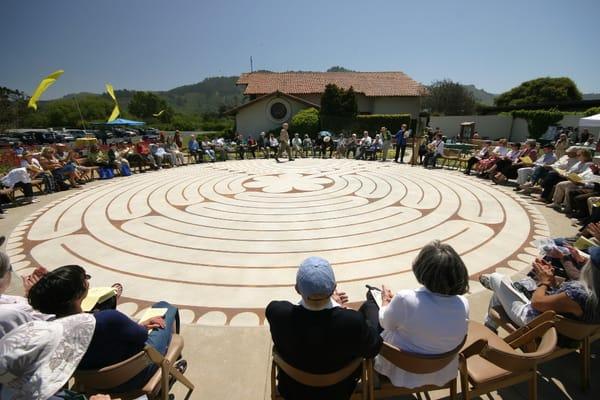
(278, 111)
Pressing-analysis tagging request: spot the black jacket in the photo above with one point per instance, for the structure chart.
(320, 342)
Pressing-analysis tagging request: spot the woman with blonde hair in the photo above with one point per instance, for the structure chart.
(59, 170)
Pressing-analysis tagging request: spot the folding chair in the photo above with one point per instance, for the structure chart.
(158, 386)
(489, 362)
(584, 334)
(413, 363)
(319, 380)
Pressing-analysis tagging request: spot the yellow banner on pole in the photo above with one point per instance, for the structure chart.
(115, 113)
(44, 84)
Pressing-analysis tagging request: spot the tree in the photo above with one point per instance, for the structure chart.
(65, 113)
(13, 108)
(146, 104)
(305, 122)
(540, 91)
(449, 98)
(337, 68)
(338, 108)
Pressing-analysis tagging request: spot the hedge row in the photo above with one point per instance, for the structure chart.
(538, 121)
(374, 122)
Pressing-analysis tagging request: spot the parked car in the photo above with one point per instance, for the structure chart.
(45, 137)
(62, 137)
(149, 131)
(26, 137)
(77, 133)
(8, 141)
(152, 138)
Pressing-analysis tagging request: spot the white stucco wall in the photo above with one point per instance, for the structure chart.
(254, 119)
(378, 105)
(396, 105)
(494, 126)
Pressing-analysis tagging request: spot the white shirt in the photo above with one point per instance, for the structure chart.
(579, 167)
(439, 147)
(423, 322)
(565, 162)
(15, 311)
(16, 175)
(331, 304)
(501, 150)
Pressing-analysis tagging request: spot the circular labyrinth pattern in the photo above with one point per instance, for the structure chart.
(222, 240)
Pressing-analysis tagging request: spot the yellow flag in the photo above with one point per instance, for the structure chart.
(159, 113)
(111, 91)
(115, 113)
(44, 84)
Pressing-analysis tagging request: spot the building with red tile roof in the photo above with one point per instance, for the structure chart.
(276, 96)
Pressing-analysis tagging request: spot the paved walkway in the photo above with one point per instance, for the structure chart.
(221, 240)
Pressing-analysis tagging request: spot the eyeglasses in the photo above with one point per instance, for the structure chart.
(88, 277)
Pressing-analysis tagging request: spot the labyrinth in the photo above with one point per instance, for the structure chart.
(222, 240)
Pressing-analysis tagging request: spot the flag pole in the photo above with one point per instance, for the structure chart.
(80, 114)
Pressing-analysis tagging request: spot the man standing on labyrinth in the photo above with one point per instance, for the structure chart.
(284, 143)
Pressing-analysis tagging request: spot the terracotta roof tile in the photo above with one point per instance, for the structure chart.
(368, 83)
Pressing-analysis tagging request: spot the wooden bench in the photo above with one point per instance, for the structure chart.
(11, 193)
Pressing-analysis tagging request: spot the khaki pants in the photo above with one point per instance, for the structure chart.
(284, 146)
(384, 149)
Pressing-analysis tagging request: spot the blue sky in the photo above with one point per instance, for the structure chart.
(158, 45)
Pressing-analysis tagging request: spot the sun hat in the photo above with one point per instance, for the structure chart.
(315, 279)
(39, 357)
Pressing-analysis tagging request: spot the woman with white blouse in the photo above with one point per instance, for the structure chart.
(432, 319)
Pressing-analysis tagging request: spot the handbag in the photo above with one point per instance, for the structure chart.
(125, 170)
(106, 173)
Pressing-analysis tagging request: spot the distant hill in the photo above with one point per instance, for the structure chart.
(221, 92)
(202, 97)
(591, 96)
(205, 96)
(481, 96)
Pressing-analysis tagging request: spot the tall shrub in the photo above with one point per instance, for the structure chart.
(374, 122)
(538, 121)
(305, 122)
(338, 108)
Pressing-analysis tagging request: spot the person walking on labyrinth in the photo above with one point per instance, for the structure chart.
(284, 143)
(386, 137)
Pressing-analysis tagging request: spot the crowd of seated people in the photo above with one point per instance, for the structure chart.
(564, 279)
(61, 167)
(565, 178)
(50, 318)
(321, 335)
(367, 147)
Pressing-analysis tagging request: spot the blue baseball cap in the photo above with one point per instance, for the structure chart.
(315, 278)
